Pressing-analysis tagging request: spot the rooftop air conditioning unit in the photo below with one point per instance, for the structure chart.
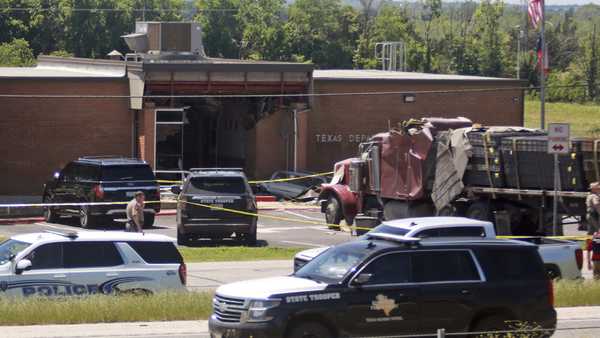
(173, 37)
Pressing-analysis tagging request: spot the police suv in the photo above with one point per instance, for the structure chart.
(383, 285)
(82, 263)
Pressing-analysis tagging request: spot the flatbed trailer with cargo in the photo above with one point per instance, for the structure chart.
(449, 167)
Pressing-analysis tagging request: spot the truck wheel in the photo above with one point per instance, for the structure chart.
(549, 225)
(50, 215)
(448, 210)
(86, 220)
(309, 330)
(552, 271)
(333, 213)
(182, 239)
(480, 211)
(149, 220)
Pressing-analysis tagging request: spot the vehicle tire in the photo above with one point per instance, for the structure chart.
(249, 239)
(149, 220)
(50, 214)
(309, 330)
(333, 212)
(491, 323)
(182, 239)
(448, 210)
(86, 220)
(553, 272)
(479, 210)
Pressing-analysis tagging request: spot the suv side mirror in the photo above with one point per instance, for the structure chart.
(176, 189)
(23, 265)
(362, 279)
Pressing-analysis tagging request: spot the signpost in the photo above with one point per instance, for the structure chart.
(558, 143)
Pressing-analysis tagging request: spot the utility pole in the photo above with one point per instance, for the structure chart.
(542, 65)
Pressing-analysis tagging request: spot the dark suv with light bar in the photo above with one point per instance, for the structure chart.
(215, 203)
(101, 179)
(388, 285)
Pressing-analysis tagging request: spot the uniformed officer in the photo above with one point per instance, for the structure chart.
(135, 213)
(592, 204)
(593, 249)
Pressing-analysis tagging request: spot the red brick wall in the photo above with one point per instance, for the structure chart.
(335, 121)
(39, 136)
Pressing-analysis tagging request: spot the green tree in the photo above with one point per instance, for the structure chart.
(323, 31)
(491, 42)
(591, 63)
(432, 10)
(262, 29)
(16, 54)
(222, 31)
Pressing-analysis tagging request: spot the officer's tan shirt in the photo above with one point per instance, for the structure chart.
(135, 213)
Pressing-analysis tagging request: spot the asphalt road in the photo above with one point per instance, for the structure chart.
(271, 232)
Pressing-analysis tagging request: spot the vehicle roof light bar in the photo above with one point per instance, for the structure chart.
(216, 169)
(68, 234)
(394, 238)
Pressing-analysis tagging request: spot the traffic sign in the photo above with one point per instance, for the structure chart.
(559, 138)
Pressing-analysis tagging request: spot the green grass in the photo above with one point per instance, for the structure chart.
(584, 118)
(183, 306)
(226, 254)
(106, 309)
(577, 293)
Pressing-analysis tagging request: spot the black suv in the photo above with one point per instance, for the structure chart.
(225, 188)
(386, 286)
(101, 179)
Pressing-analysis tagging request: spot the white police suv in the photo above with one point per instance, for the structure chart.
(90, 262)
(419, 227)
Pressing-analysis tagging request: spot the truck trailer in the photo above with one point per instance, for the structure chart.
(452, 167)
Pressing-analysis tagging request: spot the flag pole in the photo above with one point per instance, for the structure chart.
(542, 70)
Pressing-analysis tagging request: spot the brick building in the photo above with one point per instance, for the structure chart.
(164, 111)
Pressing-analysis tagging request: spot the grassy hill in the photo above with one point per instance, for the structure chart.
(584, 118)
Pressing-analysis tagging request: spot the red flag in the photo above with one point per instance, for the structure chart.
(535, 12)
(539, 58)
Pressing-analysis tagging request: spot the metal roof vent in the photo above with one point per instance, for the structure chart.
(167, 40)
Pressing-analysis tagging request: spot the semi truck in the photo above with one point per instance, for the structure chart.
(453, 167)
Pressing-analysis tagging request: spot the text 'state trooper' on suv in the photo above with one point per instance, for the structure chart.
(204, 195)
(101, 179)
(385, 285)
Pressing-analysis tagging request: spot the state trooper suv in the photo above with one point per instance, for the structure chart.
(203, 198)
(76, 264)
(384, 286)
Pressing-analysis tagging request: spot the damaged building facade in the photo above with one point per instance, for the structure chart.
(176, 108)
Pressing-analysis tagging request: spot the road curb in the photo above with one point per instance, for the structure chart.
(21, 220)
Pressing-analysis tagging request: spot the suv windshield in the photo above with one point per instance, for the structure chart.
(334, 264)
(10, 248)
(216, 185)
(127, 173)
(386, 229)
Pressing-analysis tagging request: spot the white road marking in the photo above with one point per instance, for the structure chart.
(62, 228)
(303, 216)
(303, 243)
(272, 230)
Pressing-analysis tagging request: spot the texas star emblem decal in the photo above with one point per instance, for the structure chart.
(381, 302)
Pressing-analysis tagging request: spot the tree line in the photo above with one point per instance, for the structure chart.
(486, 38)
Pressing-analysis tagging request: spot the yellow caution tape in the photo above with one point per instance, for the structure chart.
(277, 218)
(246, 213)
(291, 178)
(264, 181)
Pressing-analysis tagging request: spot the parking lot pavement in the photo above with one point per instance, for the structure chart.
(294, 232)
(581, 322)
(208, 276)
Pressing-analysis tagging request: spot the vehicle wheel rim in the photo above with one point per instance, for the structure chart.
(83, 218)
(329, 213)
(47, 214)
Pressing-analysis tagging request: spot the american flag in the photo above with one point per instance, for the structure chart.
(535, 11)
